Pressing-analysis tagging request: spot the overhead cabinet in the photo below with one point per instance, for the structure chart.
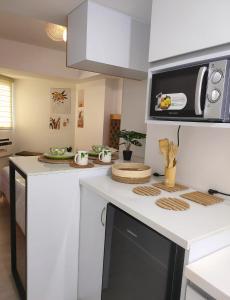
(180, 27)
(104, 40)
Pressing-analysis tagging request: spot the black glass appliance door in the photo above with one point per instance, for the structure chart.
(173, 93)
(139, 263)
(18, 207)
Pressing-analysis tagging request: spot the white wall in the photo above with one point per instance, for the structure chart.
(32, 110)
(203, 160)
(133, 110)
(103, 97)
(20, 58)
(92, 133)
(113, 104)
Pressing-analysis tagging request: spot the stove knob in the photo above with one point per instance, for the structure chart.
(215, 96)
(216, 76)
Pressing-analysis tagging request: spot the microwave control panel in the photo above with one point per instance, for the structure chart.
(217, 104)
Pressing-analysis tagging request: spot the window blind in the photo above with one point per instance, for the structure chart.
(6, 120)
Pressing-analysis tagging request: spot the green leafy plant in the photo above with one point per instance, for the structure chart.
(131, 138)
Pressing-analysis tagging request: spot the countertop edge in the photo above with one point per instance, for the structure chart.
(168, 234)
(209, 288)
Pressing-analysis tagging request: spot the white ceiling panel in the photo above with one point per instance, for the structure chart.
(56, 10)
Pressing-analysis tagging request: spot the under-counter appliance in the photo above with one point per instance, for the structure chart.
(139, 263)
(194, 93)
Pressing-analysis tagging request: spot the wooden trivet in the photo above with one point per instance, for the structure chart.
(99, 162)
(145, 190)
(172, 204)
(178, 187)
(202, 198)
(130, 180)
(74, 165)
(44, 159)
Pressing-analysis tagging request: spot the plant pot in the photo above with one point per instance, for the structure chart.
(127, 154)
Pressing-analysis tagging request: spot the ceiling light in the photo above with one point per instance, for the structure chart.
(56, 32)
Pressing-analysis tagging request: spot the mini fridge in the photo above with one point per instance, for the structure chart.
(139, 263)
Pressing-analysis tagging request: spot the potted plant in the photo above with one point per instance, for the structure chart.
(130, 138)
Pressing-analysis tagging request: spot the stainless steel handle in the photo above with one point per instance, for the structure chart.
(199, 83)
(102, 214)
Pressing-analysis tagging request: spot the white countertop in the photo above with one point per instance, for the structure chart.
(212, 274)
(31, 166)
(182, 227)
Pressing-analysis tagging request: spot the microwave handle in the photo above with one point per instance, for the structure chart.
(199, 83)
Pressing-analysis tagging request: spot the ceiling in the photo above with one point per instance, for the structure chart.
(15, 27)
(25, 20)
(56, 10)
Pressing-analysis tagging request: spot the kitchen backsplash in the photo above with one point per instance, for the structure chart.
(203, 158)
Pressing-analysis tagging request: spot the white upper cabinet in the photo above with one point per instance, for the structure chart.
(183, 26)
(106, 41)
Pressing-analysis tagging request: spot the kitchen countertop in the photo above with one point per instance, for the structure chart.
(31, 166)
(182, 227)
(212, 274)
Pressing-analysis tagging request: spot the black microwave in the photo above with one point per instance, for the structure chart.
(195, 93)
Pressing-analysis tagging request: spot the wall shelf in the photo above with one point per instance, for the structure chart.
(188, 124)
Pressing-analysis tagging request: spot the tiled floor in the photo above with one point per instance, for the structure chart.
(7, 287)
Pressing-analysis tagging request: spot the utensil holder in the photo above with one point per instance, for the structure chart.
(170, 176)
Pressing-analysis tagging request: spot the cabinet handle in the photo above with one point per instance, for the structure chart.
(102, 214)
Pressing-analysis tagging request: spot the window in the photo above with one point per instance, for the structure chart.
(6, 120)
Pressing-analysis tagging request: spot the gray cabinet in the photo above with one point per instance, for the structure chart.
(184, 26)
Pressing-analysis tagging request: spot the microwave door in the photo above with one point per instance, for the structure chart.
(179, 94)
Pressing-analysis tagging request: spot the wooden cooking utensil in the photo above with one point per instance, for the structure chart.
(169, 151)
(173, 149)
(164, 149)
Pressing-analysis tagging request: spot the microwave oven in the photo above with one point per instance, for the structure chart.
(194, 93)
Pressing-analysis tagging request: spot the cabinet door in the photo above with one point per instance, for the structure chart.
(91, 251)
(183, 26)
(192, 294)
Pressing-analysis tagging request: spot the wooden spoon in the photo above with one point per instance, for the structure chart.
(171, 155)
(164, 149)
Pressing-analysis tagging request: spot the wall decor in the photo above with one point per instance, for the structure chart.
(65, 122)
(115, 123)
(59, 122)
(60, 100)
(55, 123)
(81, 106)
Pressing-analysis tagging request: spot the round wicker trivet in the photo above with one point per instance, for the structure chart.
(130, 180)
(172, 204)
(74, 165)
(146, 191)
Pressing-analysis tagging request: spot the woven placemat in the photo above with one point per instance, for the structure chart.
(74, 165)
(145, 190)
(130, 180)
(172, 204)
(202, 198)
(177, 188)
(99, 162)
(44, 159)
